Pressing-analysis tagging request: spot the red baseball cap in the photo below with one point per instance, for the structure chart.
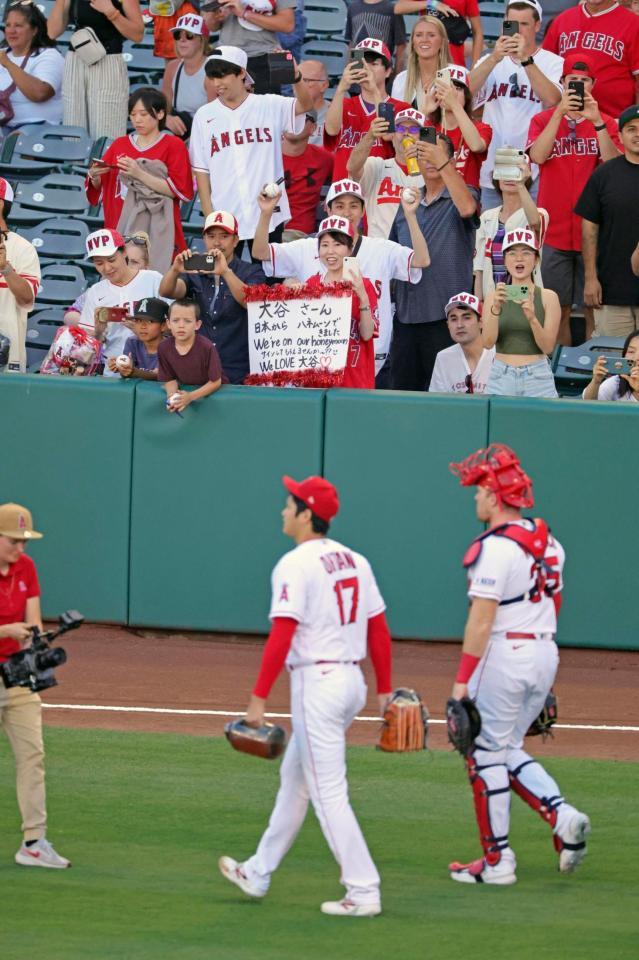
(318, 494)
(579, 64)
(378, 47)
(6, 190)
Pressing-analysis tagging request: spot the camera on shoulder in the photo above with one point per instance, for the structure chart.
(33, 667)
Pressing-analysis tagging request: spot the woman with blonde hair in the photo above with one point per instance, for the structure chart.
(137, 246)
(183, 80)
(428, 53)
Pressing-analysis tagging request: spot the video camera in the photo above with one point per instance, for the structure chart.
(33, 667)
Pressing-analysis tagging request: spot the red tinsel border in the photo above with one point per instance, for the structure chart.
(299, 378)
(312, 289)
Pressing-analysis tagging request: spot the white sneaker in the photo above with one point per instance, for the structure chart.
(571, 845)
(346, 908)
(480, 872)
(41, 854)
(233, 871)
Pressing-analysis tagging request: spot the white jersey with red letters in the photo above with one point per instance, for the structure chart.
(503, 571)
(382, 182)
(379, 260)
(610, 40)
(331, 591)
(240, 149)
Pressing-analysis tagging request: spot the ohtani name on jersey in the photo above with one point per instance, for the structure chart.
(588, 40)
(524, 92)
(240, 137)
(583, 147)
(338, 560)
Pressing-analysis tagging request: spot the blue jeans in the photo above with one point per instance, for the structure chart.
(531, 380)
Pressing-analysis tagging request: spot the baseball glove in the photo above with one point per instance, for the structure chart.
(463, 723)
(541, 726)
(405, 724)
(267, 741)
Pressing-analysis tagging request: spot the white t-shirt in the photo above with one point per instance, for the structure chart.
(380, 261)
(23, 257)
(146, 283)
(451, 369)
(502, 571)
(609, 390)
(331, 591)
(510, 115)
(48, 66)
(241, 150)
(382, 182)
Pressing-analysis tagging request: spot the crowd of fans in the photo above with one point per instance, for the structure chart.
(482, 197)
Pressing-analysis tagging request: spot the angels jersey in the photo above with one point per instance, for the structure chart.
(332, 593)
(503, 571)
(357, 116)
(610, 40)
(379, 260)
(240, 148)
(382, 182)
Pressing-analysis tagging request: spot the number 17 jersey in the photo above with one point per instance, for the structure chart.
(332, 593)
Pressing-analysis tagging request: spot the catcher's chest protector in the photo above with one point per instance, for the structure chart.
(533, 542)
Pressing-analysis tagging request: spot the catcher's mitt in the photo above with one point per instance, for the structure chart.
(541, 726)
(463, 723)
(267, 741)
(405, 724)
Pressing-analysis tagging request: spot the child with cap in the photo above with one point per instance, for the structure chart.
(464, 367)
(188, 358)
(140, 356)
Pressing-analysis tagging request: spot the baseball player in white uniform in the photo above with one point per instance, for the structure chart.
(380, 260)
(236, 141)
(508, 664)
(326, 609)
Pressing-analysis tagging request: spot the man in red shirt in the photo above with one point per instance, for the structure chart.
(307, 168)
(609, 36)
(20, 709)
(568, 142)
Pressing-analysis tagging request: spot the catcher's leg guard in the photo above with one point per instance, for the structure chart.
(491, 795)
(534, 785)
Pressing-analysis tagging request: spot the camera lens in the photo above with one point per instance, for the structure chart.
(48, 659)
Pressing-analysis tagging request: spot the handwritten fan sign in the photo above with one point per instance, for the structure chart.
(298, 337)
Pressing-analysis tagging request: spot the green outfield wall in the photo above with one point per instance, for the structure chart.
(153, 520)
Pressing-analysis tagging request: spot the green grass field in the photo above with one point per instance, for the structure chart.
(145, 817)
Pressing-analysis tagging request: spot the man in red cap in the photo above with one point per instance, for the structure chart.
(568, 142)
(326, 609)
(508, 664)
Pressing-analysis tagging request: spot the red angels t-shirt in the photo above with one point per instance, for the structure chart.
(466, 9)
(610, 40)
(17, 586)
(357, 116)
(467, 163)
(360, 357)
(564, 174)
(305, 177)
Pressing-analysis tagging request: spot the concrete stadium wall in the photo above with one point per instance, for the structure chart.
(157, 521)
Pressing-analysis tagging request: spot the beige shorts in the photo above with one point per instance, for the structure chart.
(616, 321)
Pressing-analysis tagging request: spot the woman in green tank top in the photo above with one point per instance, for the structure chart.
(521, 321)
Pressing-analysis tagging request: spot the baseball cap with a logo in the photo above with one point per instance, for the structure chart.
(191, 23)
(151, 308)
(463, 300)
(227, 55)
(378, 47)
(104, 243)
(459, 74)
(339, 224)
(630, 113)
(16, 522)
(515, 237)
(578, 64)
(410, 115)
(222, 219)
(343, 188)
(6, 190)
(318, 494)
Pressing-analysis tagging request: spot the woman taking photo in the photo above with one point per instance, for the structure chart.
(521, 320)
(30, 70)
(183, 80)
(623, 386)
(134, 160)
(96, 83)
(428, 53)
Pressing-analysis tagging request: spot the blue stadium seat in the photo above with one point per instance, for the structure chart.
(572, 366)
(56, 193)
(38, 150)
(332, 53)
(59, 238)
(142, 64)
(325, 18)
(35, 357)
(61, 283)
(43, 326)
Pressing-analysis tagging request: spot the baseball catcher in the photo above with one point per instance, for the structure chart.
(405, 725)
(507, 668)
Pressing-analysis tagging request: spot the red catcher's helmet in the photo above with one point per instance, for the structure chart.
(498, 468)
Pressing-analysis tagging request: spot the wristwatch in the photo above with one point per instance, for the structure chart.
(527, 62)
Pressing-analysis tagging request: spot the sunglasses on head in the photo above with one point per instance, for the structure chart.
(138, 241)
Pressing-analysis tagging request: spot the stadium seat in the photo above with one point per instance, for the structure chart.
(332, 53)
(61, 238)
(56, 193)
(325, 18)
(572, 366)
(43, 326)
(35, 357)
(142, 64)
(46, 148)
(192, 218)
(61, 283)
(492, 14)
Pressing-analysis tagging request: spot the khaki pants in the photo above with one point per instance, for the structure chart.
(616, 321)
(21, 720)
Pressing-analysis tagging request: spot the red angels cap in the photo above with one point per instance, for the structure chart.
(464, 300)
(343, 188)
(578, 63)
(222, 219)
(411, 116)
(340, 224)
(318, 494)
(515, 237)
(16, 522)
(376, 46)
(498, 468)
(6, 190)
(104, 243)
(191, 23)
(458, 74)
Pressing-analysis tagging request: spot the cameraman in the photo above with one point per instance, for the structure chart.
(20, 709)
